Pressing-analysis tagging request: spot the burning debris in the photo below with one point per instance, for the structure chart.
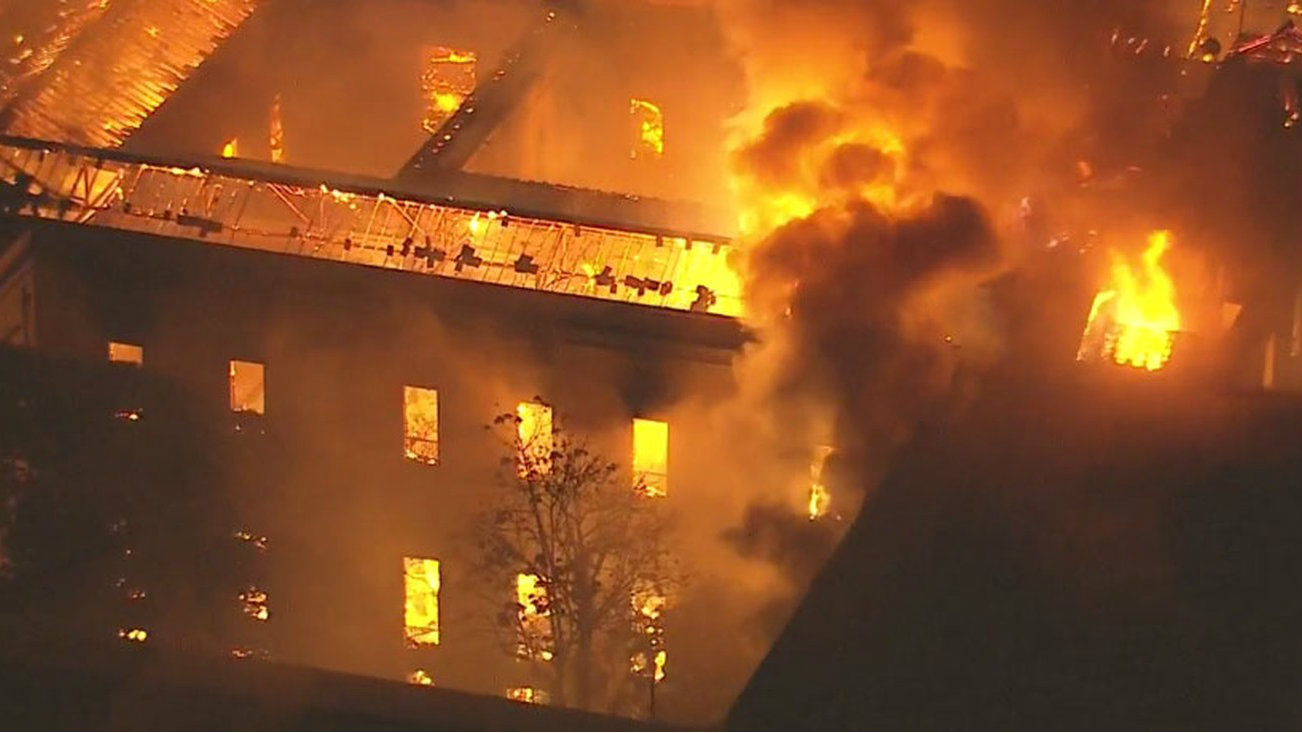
(447, 79)
(530, 695)
(136, 635)
(1135, 320)
(254, 604)
(420, 677)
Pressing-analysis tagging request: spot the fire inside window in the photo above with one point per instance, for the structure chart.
(648, 129)
(120, 353)
(535, 618)
(447, 78)
(248, 388)
(534, 429)
(651, 456)
(420, 417)
(421, 611)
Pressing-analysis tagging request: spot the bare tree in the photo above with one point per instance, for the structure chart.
(582, 545)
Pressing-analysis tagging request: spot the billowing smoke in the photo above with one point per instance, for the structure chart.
(880, 170)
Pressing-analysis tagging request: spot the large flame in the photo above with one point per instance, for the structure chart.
(1134, 321)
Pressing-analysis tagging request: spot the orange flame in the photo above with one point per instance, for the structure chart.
(231, 149)
(1134, 321)
(651, 128)
(819, 497)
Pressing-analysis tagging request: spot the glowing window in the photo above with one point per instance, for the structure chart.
(248, 387)
(534, 431)
(651, 456)
(535, 627)
(120, 353)
(421, 610)
(648, 129)
(420, 419)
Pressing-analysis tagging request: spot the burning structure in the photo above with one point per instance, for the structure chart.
(353, 272)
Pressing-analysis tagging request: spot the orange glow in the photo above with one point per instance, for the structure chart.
(420, 442)
(1204, 15)
(120, 353)
(662, 659)
(248, 387)
(1134, 321)
(277, 133)
(648, 607)
(650, 121)
(254, 604)
(446, 80)
(421, 609)
(231, 149)
(420, 677)
(651, 456)
(534, 615)
(534, 431)
(526, 694)
(819, 497)
(137, 635)
(764, 206)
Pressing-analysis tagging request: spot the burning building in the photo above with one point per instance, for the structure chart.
(354, 250)
(354, 330)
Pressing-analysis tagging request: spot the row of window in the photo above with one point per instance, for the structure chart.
(420, 443)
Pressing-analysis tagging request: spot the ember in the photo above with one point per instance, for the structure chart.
(1133, 322)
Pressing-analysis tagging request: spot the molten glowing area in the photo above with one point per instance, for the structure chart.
(231, 149)
(1133, 322)
(421, 610)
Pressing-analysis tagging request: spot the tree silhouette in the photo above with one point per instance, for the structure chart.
(583, 548)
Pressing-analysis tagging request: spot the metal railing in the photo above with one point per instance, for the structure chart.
(220, 205)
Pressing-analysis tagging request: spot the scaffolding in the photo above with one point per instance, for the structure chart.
(276, 212)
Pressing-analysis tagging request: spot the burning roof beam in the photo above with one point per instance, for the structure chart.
(101, 85)
(492, 101)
